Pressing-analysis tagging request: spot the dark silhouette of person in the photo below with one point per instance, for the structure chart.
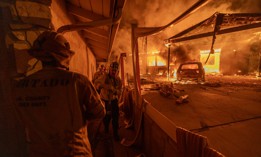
(55, 104)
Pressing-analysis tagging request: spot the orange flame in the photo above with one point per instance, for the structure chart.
(156, 60)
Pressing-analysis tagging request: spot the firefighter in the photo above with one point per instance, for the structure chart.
(99, 73)
(111, 88)
(55, 104)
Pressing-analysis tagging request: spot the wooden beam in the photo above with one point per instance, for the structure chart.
(114, 30)
(94, 47)
(98, 31)
(96, 43)
(99, 52)
(94, 37)
(83, 13)
(100, 59)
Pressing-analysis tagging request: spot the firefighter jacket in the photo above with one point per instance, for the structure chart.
(54, 106)
(97, 75)
(110, 87)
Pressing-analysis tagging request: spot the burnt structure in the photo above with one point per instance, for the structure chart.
(224, 23)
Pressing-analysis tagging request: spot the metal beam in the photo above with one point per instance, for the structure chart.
(224, 31)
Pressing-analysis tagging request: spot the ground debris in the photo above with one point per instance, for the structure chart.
(152, 87)
(213, 84)
(168, 90)
(182, 99)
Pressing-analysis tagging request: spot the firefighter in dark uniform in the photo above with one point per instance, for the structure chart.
(111, 88)
(54, 104)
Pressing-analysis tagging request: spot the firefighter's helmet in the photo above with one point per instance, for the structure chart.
(51, 46)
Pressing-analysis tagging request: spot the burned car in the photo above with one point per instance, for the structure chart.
(191, 70)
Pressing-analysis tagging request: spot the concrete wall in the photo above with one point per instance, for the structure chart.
(156, 135)
(156, 142)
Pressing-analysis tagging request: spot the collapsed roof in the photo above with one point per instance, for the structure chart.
(219, 23)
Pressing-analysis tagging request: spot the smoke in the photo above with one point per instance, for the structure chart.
(155, 13)
(246, 6)
(183, 53)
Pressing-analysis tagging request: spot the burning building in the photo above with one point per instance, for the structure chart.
(225, 43)
(233, 53)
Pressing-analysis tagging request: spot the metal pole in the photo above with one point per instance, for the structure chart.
(146, 53)
(122, 68)
(137, 66)
(168, 61)
(135, 59)
(259, 65)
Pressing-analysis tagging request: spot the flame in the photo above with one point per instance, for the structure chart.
(175, 73)
(155, 60)
(151, 60)
(213, 64)
(161, 61)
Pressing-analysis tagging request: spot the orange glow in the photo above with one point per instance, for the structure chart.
(160, 61)
(151, 60)
(213, 64)
(175, 73)
(156, 60)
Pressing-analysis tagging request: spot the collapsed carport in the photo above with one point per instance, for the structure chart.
(220, 24)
